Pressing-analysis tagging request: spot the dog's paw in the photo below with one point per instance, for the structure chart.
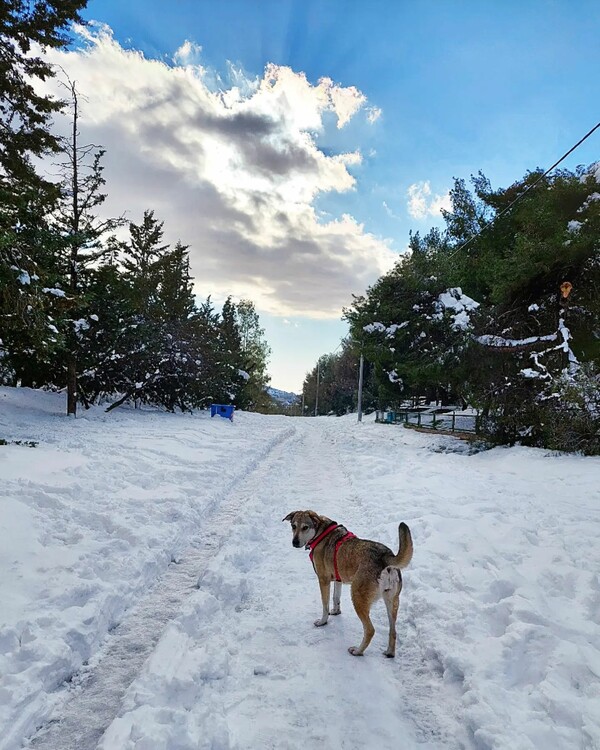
(320, 623)
(354, 650)
(336, 612)
(389, 654)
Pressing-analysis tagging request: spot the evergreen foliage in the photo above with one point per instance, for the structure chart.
(105, 318)
(338, 383)
(486, 322)
(27, 241)
(475, 315)
(254, 356)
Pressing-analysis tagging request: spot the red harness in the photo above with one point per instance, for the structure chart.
(338, 544)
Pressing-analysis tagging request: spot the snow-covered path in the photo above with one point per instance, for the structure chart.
(499, 622)
(239, 668)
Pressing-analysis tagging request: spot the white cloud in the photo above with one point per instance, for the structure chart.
(373, 114)
(233, 170)
(346, 101)
(389, 211)
(187, 54)
(421, 203)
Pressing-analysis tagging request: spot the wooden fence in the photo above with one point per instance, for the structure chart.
(431, 420)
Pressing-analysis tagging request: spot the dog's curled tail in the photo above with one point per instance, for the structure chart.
(405, 551)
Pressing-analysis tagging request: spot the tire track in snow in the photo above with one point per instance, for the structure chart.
(95, 692)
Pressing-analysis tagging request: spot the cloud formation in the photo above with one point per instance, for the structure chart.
(421, 203)
(233, 171)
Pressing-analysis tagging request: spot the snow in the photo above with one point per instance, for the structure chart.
(499, 644)
(590, 199)
(463, 305)
(500, 341)
(376, 326)
(574, 226)
(528, 372)
(54, 291)
(80, 325)
(389, 331)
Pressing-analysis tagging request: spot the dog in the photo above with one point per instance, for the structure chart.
(371, 568)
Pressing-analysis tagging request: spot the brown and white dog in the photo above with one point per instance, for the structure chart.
(371, 568)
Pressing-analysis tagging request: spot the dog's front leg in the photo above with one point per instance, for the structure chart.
(337, 595)
(324, 586)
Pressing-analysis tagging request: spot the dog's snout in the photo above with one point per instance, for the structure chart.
(296, 542)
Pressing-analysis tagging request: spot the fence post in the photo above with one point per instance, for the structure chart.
(433, 426)
(453, 420)
(418, 419)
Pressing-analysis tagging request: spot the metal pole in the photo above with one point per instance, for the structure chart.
(302, 402)
(360, 387)
(317, 396)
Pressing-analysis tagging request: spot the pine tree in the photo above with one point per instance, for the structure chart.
(82, 232)
(104, 346)
(527, 350)
(179, 359)
(167, 348)
(255, 356)
(27, 242)
(140, 339)
(232, 358)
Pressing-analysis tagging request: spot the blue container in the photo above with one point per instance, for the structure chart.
(223, 410)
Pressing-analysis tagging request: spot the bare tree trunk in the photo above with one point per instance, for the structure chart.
(72, 384)
(72, 339)
(118, 403)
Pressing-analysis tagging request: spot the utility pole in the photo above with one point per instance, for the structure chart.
(317, 396)
(302, 413)
(360, 386)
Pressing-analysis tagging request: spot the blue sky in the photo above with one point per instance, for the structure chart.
(445, 89)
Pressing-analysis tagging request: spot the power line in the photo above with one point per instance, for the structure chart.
(524, 193)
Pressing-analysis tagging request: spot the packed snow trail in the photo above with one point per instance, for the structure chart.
(244, 667)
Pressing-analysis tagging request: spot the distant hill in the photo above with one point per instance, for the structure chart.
(283, 397)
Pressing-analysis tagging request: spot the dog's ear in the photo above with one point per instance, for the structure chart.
(290, 516)
(315, 517)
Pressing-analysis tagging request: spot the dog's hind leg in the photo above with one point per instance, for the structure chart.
(324, 586)
(337, 596)
(391, 584)
(364, 592)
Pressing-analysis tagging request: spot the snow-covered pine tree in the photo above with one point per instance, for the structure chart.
(27, 243)
(77, 222)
